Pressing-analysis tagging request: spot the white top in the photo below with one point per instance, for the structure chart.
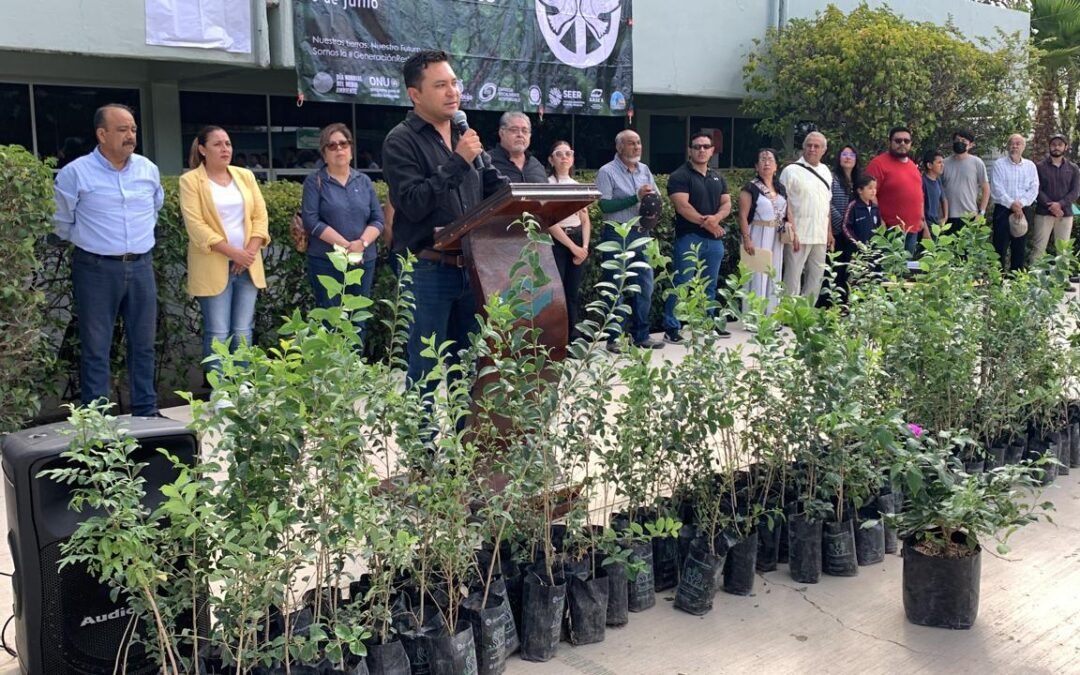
(810, 200)
(764, 209)
(574, 219)
(230, 207)
(1014, 182)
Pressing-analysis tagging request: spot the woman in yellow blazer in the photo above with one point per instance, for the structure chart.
(226, 222)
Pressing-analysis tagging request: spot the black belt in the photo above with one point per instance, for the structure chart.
(448, 258)
(125, 257)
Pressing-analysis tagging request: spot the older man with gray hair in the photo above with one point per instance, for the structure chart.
(624, 183)
(809, 193)
(512, 157)
(1014, 186)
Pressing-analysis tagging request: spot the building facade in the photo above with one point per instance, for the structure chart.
(62, 59)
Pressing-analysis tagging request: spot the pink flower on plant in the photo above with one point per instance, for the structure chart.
(915, 429)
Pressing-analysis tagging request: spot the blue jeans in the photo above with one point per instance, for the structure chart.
(229, 316)
(911, 242)
(445, 308)
(104, 289)
(320, 265)
(637, 322)
(711, 251)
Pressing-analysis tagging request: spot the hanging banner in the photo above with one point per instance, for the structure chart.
(559, 56)
(204, 24)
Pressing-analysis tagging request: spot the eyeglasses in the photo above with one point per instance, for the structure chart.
(524, 131)
(563, 153)
(847, 154)
(338, 145)
(902, 141)
(700, 146)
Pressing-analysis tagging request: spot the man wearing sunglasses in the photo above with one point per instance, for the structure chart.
(899, 188)
(702, 202)
(512, 157)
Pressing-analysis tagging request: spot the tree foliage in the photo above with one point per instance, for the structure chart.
(856, 75)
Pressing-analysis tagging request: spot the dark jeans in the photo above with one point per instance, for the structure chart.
(104, 289)
(911, 242)
(955, 225)
(711, 252)
(320, 265)
(445, 308)
(1005, 243)
(571, 276)
(637, 322)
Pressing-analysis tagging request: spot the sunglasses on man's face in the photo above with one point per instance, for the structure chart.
(902, 141)
(700, 146)
(338, 145)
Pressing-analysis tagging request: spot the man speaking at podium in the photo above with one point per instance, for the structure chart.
(436, 172)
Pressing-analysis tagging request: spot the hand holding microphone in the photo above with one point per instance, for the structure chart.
(469, 146)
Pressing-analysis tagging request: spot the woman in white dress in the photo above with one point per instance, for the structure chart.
(763, 213)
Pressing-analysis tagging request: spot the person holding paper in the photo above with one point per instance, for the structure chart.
(763, 213)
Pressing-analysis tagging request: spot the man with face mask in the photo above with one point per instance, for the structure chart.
(1059, 188)
(965, 181)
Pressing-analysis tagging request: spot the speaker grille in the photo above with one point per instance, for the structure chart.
(88, 627)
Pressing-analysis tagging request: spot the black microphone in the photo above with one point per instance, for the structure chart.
(461, 123)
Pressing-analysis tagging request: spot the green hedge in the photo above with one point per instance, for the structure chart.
(26, 211)
(179, 322)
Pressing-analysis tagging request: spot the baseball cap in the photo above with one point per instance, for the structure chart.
(1059, 137)
(650, 210)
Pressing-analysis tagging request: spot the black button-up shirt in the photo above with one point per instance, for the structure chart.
(705, 194)
(532, 172)
(430, 185)
(1057, 184)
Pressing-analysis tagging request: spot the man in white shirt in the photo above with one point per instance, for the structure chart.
(809, 193)
(1014, 185)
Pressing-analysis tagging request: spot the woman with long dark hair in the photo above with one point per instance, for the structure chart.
(846, 172)
(226, 221)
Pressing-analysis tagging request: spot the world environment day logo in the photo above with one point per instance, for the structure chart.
(567, 26)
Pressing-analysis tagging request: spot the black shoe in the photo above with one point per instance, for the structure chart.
(649, 343)
(723, 333)
(672, 337)
(614, 348)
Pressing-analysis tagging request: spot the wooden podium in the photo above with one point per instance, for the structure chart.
(492, 244)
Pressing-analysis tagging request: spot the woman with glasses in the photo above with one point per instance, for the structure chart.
(846, 172)
(570, 236)
(225, 217)
(339, 208)
(763, 215)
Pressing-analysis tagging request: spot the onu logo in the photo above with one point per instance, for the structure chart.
(567, 26)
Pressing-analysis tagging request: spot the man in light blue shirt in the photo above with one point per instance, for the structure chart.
(623, 182)
(107, 204)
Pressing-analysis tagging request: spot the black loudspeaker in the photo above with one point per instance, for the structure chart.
(65, 623)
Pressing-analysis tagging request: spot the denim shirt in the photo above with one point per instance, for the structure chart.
(105, 210)
(348, 208)
(615, 180)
